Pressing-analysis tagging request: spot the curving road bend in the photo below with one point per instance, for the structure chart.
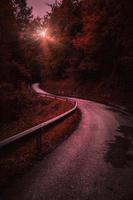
(94, 163)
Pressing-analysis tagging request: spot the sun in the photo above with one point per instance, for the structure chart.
(41, 33)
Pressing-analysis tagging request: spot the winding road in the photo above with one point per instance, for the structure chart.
(94, 163)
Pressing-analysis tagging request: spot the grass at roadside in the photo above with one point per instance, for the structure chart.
(42, 110)
(22, 156)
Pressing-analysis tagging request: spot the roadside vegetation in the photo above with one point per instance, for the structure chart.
(40, 110)
(91, 90)
(20, 157)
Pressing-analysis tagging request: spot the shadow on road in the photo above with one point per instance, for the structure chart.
(118, 154)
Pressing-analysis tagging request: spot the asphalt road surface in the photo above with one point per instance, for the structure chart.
(94, 163)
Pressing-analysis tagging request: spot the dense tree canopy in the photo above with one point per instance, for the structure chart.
(92, 36)
(14, 73)
(89, 37)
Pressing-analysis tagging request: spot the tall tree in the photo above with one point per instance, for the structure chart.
(13, 71)
(23, 13)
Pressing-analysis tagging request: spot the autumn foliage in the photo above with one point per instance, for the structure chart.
(88, 39)
(91, 35)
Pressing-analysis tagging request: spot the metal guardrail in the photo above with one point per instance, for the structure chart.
(29, 131)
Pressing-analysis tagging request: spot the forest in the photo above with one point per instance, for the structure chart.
(88, 42)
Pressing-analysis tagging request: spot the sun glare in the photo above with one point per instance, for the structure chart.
(41, 33)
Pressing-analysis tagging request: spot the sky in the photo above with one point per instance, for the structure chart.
(39, 6)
